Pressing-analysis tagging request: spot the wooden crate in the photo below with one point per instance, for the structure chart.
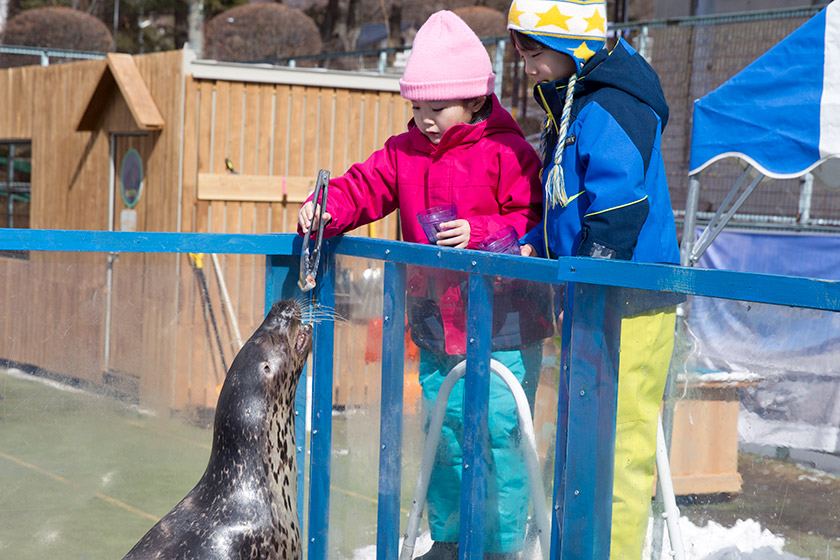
(704, 444)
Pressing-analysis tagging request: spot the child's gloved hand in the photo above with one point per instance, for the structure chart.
(308, 217)
(454, 234)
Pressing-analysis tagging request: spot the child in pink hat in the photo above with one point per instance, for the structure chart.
(461, 148)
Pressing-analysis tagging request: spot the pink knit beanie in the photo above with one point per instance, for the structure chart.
(447, 61)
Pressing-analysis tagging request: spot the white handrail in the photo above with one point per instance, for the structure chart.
(529, 446)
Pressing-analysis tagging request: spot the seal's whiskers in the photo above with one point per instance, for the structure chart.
(318, 313)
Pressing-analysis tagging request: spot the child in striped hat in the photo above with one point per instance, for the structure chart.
(606, 196)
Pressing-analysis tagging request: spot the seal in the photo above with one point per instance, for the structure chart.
(245, 504)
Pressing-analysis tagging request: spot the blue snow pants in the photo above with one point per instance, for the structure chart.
(507, 479)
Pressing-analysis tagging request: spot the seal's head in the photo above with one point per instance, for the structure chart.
(265, 372)
(284, 338)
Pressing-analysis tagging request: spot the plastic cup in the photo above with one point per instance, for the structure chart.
(504, 240)
(431, 218)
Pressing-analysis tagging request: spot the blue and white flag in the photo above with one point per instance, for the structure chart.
(782, 112)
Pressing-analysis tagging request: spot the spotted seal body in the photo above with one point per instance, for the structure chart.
(245, 505)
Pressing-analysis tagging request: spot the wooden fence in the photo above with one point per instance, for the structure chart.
(138, 323)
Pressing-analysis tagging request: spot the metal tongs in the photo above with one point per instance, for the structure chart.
(311, 256)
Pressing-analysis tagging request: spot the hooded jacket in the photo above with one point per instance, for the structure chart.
(618, 200)
(487, 169)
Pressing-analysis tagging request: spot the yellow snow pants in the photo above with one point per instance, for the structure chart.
(647, 341)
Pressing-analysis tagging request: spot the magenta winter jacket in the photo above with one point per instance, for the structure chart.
(487, 169)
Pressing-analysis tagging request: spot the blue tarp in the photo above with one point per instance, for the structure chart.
(782, 112)
(769, 339)
(796, 351)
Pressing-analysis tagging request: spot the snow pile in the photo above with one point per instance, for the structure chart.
(745, 540)
(421, 546)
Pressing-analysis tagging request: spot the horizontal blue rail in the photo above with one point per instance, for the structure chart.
(148, 242)
(760, 288)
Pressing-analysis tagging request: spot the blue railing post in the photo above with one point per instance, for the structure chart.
(476, 399)
(321, 436)
(391, 425)
(561, 433)
(281, 276)
(585, 518)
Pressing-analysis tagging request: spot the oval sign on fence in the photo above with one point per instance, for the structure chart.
(131, 178)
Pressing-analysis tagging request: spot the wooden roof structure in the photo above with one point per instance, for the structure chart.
(121, 72)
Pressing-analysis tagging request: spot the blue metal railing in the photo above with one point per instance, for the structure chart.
(391, 428)
(586, 406)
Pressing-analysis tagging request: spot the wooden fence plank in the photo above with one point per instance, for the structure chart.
(253, 188)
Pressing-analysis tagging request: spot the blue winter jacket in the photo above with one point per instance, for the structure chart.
(618, 201)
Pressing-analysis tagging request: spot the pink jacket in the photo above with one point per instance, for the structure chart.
(487, 169)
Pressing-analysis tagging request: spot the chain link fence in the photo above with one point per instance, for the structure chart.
(692, 56)
(14, 55)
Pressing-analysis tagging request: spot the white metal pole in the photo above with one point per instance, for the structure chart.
(223, 287)
(666, 486)
(529, 446)
(690, 222)
(499, 67)
(109, 267)
(805, 195)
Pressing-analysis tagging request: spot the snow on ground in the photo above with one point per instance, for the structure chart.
(421, 546)
(746, 540)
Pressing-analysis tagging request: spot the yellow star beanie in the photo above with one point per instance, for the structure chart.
(577, 28)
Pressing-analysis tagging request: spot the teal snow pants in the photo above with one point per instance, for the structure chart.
(507, 479)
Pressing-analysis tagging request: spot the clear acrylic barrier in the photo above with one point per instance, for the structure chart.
(755, 451)
(111, 367)
(357, 382)
(95, 446)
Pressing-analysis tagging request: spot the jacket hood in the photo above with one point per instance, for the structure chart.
(622, 68)
(498, 121)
